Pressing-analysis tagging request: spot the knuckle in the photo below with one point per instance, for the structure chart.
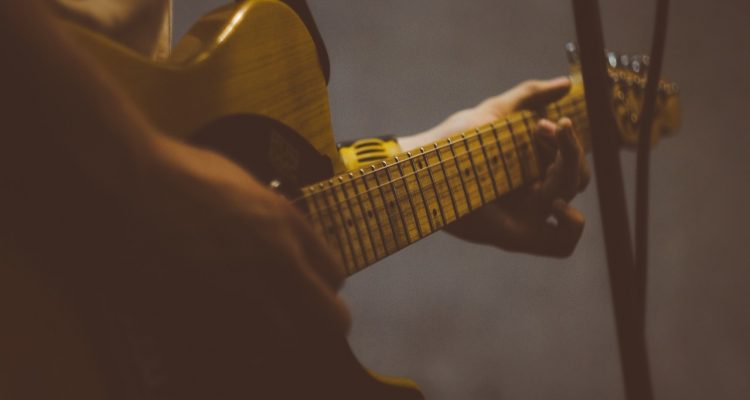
(532, 86)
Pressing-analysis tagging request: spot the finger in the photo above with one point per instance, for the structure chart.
(585, 173)
(560, 240)
(574, 147)
(546, 142)
(321, 256)
(563, 177)
(535, 93)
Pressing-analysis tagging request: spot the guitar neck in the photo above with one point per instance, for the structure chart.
(372, 213)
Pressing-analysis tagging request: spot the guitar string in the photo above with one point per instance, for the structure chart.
(347, 178)
(415, 218)
(371, 250)
(325, 211)
(362, 255)
(331, 184)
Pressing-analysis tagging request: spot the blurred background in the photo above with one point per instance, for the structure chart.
(472, 322)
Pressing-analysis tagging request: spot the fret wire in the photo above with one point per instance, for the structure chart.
(434, 185)
(386, 209)
(363, 245)
(583, 125)
(489, 166)
(349, 244)
(448, 159)
(358, 243)
(392, 184)
(518, 153)
(339, 244)
(498, 142)
(502, 157)
(460, 176)
(421, 193)
(444, 160)
(364, 216)
(415, 212)
(354, 234)
(429, 170)
(375, 214)
(317, 221)
(476, 173)
(572, 104)
(531, 144)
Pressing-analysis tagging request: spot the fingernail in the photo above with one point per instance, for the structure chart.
(565, 127)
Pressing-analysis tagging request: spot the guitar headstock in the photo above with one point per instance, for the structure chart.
(627, 75)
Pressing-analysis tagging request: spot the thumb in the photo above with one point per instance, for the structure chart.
(536, 93)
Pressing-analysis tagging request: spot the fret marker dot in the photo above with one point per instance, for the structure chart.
(434, 212)
(467, 171)
(495, 160)
(370, 214)
(349, 222)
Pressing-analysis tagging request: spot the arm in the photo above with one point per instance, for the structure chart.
(93, 192)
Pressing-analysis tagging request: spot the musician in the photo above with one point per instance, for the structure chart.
(178, 242)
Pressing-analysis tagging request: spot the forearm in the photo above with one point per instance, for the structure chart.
(456, 123)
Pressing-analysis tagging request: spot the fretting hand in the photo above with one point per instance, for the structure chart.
(520, 221)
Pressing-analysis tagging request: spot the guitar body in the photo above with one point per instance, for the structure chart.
(253, 60)
(246, 82)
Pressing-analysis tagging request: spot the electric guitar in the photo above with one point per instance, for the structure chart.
(246, 81)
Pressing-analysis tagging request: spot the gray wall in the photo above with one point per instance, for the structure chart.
(470, 322)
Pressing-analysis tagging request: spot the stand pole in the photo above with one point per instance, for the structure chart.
(629, 319)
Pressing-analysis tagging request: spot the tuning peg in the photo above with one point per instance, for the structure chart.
(613, 59)
(625, 60)
(639, 64)
(571, 50)
(669, 89)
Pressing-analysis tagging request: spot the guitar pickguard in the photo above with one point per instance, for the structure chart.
(269, 150)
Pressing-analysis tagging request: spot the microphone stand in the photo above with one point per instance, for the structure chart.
(627, 277)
